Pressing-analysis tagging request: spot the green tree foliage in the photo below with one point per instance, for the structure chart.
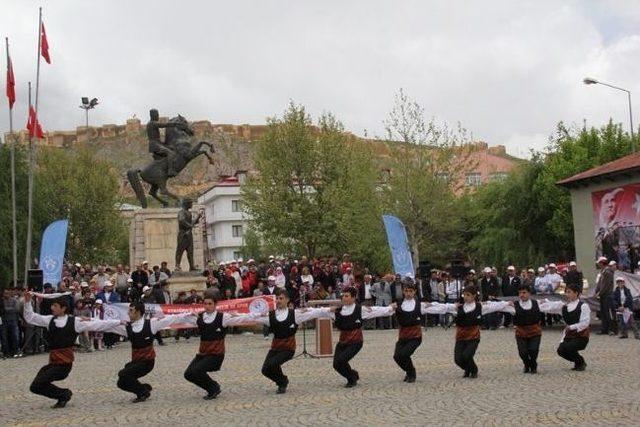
(527, 218)
(76, 186)
(426, 161)
(315, 190)
(71, 185)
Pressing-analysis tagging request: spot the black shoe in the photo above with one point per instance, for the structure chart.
(351, 384)
(282, 389)
(161, 343)
(581, 367)
(61, 403)
(473, 375)
(147, 387)
(602, 333)
(142, 397)
(466, 374)
(526, 370)
(356, 375)
(213, 395)
(405, 378)
(533, 371)
(623, 337)
(410, 379)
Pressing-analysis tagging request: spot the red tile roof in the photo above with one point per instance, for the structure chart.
(630, 163)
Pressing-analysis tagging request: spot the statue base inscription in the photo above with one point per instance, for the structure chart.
(183, 281)
(152, 238)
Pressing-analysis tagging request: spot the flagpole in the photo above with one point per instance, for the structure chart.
(13, 179)
(27, 261)
(32, 153)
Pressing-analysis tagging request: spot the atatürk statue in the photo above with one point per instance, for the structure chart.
(185, 236)
(170, 157)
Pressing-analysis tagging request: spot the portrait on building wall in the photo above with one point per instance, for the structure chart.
(616, 219)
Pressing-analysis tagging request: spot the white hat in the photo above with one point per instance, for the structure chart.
(271, 257)
(620, 279)
(98, 301)
(129, 280)
(78, 264)
(531, 270)
(221, 263)
(240, 259)
(511, 267)
(145, 289)
(487, 270)
(84, 285)
(573, 264)
(552, 265)
(612, 262)
(270, 278)
(540, 269)
(602, 259)
(251, 260)
(145, 262)
(472, 271)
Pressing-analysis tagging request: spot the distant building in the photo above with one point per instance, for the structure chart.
(225, 220)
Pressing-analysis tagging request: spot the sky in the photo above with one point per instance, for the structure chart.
(508, 71)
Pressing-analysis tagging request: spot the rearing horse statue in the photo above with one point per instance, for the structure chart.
(177, 141)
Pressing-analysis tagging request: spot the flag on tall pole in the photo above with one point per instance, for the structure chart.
(43, 51)
(44, 43)
(11, 80)
(33, 126)
(11, 96)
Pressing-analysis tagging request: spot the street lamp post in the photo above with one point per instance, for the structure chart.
(592, 81)
(86, 106)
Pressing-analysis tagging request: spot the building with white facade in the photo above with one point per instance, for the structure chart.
(225, 220)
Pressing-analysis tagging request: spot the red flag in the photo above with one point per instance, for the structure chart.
(33, 126)
(11, 83)
(44, 44)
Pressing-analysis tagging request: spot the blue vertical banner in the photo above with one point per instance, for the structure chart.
(399, 245)
(52, 248)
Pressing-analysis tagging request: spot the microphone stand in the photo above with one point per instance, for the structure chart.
(305, 353)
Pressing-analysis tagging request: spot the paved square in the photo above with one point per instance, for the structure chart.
(607, 393)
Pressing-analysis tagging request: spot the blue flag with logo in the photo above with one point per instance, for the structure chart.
(54, 241)
(399, 245)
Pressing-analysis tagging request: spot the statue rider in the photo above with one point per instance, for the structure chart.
(185, 235)
(158, 148)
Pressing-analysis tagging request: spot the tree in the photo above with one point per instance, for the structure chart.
(76, 186)
(426, 162)
(313, 190)
(527, 218)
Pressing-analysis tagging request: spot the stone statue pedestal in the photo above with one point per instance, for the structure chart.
(153, 236)
(185, 281)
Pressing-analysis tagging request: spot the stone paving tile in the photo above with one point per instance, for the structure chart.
(607, 393)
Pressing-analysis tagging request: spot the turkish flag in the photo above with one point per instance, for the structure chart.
(44, 44)
(33, 126)
(11, 83)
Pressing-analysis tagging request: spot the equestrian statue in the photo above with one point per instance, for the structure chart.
(169, 157)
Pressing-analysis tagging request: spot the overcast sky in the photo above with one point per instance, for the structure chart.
(507, 70)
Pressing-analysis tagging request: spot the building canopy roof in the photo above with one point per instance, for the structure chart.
(624, 166)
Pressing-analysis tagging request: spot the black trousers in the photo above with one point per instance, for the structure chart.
(528, 349)
(48, 373)
(197, 371)
(508, 319)
(341, 357)
(272, 366)
(402, 354)
(606, 304)
(110, 339)
(569, 348)
(128, 376)
(463, 355)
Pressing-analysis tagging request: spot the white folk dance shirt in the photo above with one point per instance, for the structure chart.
(228, 319)
(410, 305)
(487, 307)
(367, 312)
(300, 315)
(79, 325)
(555, 307)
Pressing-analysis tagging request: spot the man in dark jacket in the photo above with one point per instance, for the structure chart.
(623, 305)
(510, 284)
(604, 288)
(573, 276)
(490, 290)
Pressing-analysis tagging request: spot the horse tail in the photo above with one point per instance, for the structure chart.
(134, 180)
